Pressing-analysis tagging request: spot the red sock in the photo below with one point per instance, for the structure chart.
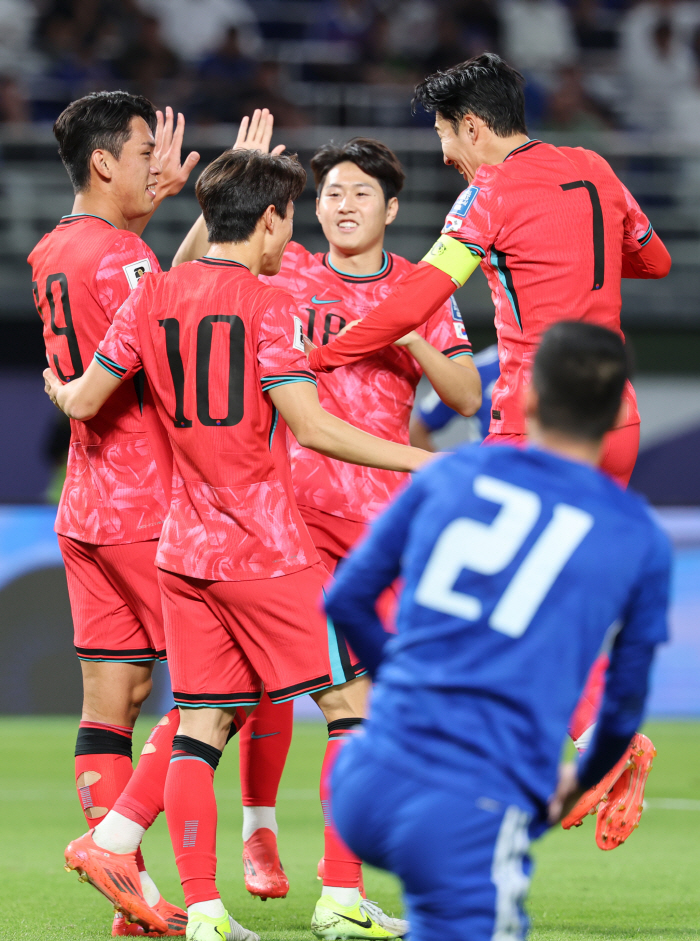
(588, 706)
(264, 745)
(102, 767)
(143, 797)
(341, 867)
(190, 808)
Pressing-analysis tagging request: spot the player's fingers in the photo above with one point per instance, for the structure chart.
(266, 131)
(179, 132)
(190, 163)
(242, 131)
(159, 129)
(279, 149)
(308, 345)
(254, 125)
(168, 128)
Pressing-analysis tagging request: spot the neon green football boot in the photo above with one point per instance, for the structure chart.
(203, 928)
(334, 922)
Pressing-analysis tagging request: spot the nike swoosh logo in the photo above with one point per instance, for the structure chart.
(316, 300)
(266, 735)
(367, 923)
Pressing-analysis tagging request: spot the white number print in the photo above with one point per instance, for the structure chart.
(488, 549)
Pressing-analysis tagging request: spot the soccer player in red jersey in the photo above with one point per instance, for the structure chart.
(240, 576)
(554, 231)
(114, 499)
(357, 184)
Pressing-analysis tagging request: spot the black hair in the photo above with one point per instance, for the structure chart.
(99, 121)
(484, 86)
(579, 374)
(371, 156)
(235, 190)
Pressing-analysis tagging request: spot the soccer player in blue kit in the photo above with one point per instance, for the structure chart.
(518, 565)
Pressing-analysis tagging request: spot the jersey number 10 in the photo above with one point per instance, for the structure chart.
(487, 549)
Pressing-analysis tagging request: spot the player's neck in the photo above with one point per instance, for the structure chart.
(94, 203)
(361, 263)
(245, 253)
(573, 449)
(498, 148)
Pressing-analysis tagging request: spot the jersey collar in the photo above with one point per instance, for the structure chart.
(77, 216)
(387, 265)
(221, 262)
(528, 145)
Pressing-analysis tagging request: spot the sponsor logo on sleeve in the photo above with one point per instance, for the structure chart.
(298, 343)
(458, 213)
(135, 270)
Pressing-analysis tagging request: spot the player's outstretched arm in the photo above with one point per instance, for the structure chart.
(651, 261)
(368, 570)
(456, 381)
(315, 428)
(253, 134)
(446, 267)
(81, 398)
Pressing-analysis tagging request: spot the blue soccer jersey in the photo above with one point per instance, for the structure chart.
(435, 414)
(518, 564)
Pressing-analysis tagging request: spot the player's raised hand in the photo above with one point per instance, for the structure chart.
(256, 133)
(168, 152)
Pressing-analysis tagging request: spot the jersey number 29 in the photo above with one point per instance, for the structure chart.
(487, 549)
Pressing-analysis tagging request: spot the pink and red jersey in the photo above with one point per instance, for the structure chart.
(83, 271)
(212, 340)
(551, 225)
(375, 394)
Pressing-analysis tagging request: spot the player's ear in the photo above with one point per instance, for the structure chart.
(101, 162)
(392, 207)
(269, 217)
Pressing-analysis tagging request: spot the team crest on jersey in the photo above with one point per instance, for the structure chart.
(298, 343)
(135, 270)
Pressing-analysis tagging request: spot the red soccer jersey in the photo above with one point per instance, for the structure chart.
(82, 273)
(213, 340)
(550, 224)
(375, 394)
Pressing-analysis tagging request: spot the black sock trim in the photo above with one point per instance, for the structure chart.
(343, 725)
(184, 746)
(102, 742)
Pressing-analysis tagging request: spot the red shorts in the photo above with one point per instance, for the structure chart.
(334, 537)
(115, 600)
(619, 455)
(229, 640)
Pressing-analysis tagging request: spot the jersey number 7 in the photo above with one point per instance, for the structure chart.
(598, 230)
(489, 549)
(236, 368)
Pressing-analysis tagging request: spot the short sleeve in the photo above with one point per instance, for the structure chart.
(638, 229)
(121, 269)
(478, 214)
(281, 356)
(445, 331)
(120, 350)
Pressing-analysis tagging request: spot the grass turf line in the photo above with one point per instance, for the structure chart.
(646, 889)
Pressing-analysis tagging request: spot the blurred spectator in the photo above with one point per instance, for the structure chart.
(147, 61)
(223, 78)
(14, 107)
(596, 22)
(349, 26)
(17, 19)
(656, 64)
(194, 28)
(411, 28)
(538, 36)
(268, 91)
(480, 26)
(570, 108)
(685, 108)
(449, 50)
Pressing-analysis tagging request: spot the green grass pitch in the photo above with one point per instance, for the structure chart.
(647, 889)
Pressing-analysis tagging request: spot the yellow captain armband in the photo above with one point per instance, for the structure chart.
(454, 258)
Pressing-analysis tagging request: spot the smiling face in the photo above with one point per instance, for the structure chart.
(457, 146)
(352, 210)
(134, 174)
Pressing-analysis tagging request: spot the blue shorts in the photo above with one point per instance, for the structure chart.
(461, 854)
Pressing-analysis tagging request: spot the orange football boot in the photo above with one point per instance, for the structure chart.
(588, 804)
(114, 875)
(262, 869)
(175, 917)
(621, 808)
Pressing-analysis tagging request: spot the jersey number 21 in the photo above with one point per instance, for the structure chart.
(489, 548)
